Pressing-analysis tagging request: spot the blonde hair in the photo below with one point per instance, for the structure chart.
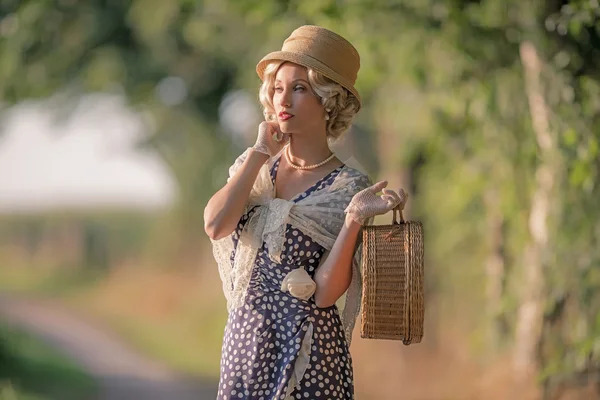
(340, 104)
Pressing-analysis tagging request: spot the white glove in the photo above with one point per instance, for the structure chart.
(299, 284)
(366, 203)
(270, 139)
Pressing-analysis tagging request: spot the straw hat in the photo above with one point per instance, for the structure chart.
(322, 50)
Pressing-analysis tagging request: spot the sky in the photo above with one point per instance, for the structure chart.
(85, 161)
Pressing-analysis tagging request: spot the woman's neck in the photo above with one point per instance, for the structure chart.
(308, 152)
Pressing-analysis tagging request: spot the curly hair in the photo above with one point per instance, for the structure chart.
(340, 103)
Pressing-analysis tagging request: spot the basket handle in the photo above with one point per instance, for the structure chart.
(398, 209)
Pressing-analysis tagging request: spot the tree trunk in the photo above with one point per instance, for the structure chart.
(530, 313)
(495, 266)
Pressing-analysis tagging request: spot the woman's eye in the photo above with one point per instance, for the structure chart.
(296, 88)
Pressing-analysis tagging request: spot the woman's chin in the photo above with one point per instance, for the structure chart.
(285, 126)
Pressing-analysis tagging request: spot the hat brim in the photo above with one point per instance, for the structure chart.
(306, 61)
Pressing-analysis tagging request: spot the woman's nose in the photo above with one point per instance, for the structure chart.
(284, 99)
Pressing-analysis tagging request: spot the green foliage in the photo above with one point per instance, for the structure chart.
(30, 370)
(444, 76)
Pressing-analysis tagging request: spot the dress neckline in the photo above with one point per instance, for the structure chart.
(311, 188)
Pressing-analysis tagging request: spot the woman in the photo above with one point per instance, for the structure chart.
(285, 227)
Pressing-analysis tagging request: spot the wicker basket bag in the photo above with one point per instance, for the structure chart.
(393, 273)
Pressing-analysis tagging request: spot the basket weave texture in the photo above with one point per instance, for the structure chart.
(393, 304)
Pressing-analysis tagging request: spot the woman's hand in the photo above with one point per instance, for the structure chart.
(366, 203)
(270, 139)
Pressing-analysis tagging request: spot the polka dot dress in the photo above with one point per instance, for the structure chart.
(265, 337)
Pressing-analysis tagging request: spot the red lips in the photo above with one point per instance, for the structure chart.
(284, 116)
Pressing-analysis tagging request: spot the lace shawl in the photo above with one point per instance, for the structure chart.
(319, 215)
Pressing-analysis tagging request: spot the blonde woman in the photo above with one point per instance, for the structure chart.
(285, 230)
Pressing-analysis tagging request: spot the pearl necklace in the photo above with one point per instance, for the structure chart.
(287, 156)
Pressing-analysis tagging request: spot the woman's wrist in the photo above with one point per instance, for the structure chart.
(352, 222)
(258, 154)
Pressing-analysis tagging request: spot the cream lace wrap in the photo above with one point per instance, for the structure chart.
(319, 215)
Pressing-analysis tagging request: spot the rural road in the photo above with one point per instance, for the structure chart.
(122, 374)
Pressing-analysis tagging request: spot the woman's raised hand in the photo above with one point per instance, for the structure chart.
(367, 203)
(270, 139)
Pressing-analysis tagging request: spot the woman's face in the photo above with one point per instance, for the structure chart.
(297, 107)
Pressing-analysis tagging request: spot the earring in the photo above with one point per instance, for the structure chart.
(326, 117)
(327, 110)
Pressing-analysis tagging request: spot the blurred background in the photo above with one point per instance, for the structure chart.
(120, 118)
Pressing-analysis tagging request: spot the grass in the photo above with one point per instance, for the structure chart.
(43, 280)
(175, 316)
(31, 370)
(184, 345)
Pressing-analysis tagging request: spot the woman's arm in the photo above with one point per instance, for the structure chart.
(225, 208)
(334, 275)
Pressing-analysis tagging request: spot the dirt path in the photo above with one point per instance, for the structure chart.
(121, 372)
